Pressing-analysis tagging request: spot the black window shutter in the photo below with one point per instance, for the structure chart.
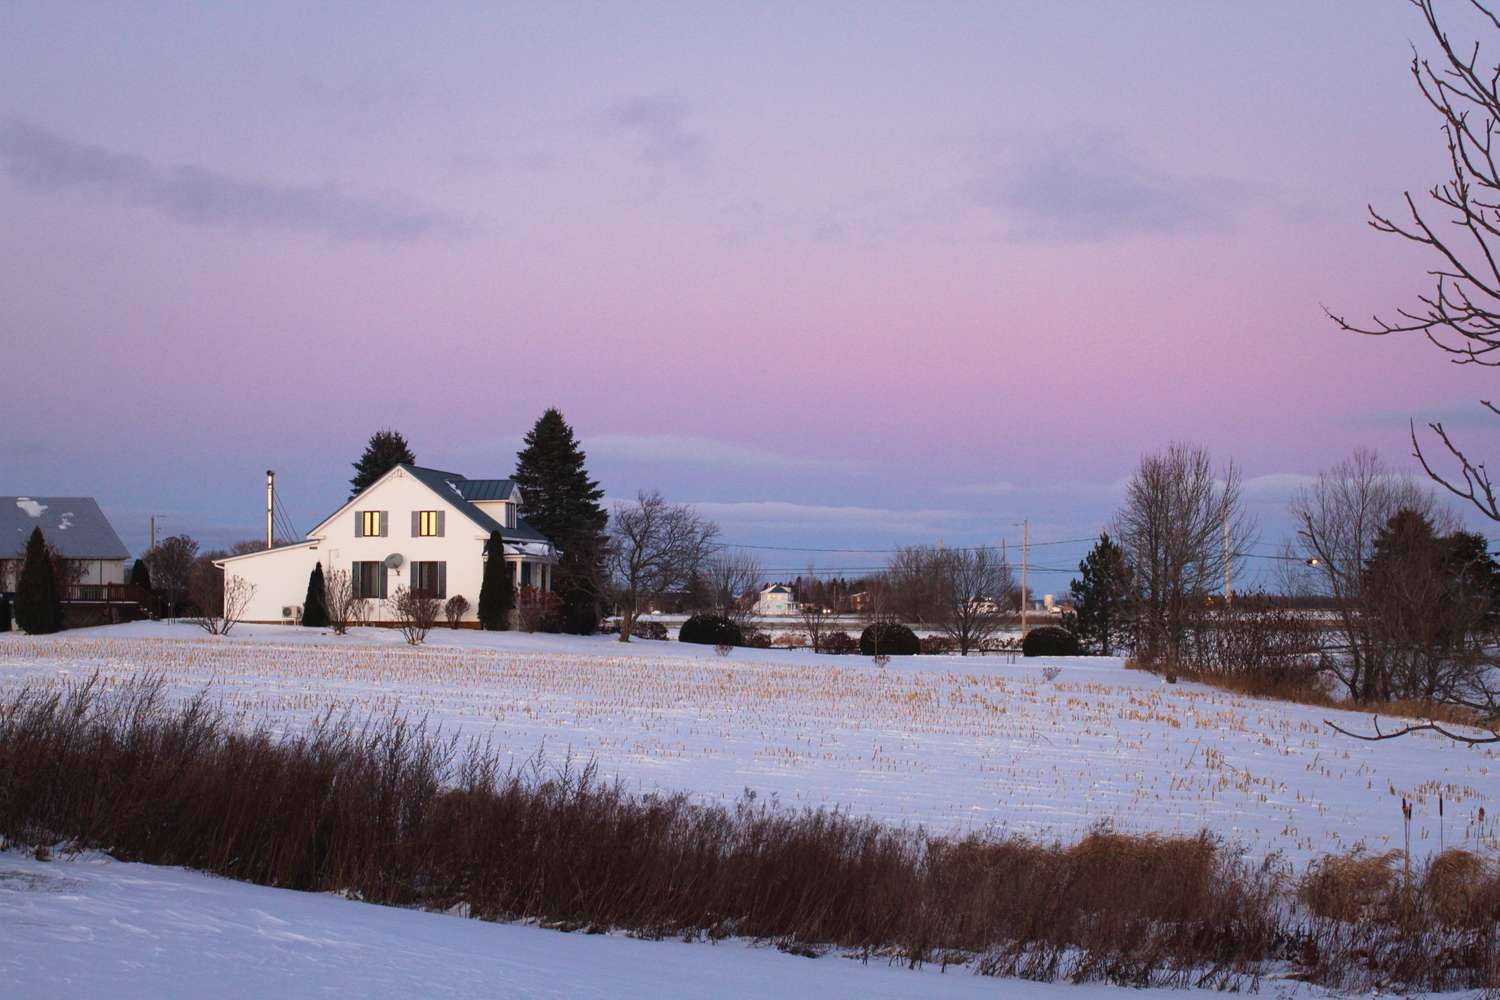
(384, 574)
(440, 519)
(416, 523)
(442, 579)
(359, 524)
(385, 526)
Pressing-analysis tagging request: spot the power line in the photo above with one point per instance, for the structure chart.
(956, 548)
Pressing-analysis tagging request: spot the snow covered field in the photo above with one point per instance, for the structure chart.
(949, 743)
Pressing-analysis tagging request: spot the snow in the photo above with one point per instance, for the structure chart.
(950, 743)
(91, 928)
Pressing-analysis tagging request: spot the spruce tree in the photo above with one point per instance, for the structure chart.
(386, 450)
(1099, 596)
(4, 613)
(560, 500)
(314, 612)
(38, 610)
(496, 592)
(140, 575)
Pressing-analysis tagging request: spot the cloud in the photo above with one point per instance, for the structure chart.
(1089, 184)
(1275, 487)
(43, 161)
(787, 516)
(671, 449)
(1469, 416)
(665, 143)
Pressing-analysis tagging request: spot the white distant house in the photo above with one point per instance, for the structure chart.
(413, 527)
(74, 526)
(776, 600)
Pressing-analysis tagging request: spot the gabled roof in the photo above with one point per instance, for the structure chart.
(451, 487)
(777, 589)
(75, 526)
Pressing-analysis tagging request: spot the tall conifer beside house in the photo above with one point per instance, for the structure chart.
(497, 594)
(38, 611)
(562, 502)
(314, 611)
(140, 575)
(386, 450)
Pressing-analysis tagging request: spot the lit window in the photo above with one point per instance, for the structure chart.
(372, 523)
(428, 523)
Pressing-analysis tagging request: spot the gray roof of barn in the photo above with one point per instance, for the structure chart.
(75, 526)
(452, 487)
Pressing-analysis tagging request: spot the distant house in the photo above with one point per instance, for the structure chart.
(413, 527)
(776, 600)
(74, 526)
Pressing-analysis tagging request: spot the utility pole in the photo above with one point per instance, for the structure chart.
(153, 534)
(270, 508)
(1025, 542)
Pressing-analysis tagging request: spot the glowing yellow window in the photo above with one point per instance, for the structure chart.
(429, 523)
(371, 522)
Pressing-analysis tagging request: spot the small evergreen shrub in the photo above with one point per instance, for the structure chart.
(314, 615)
(497, 594)
(889, 639)
(756, 639)
(38, 611)
(1049, 640)
(4, 613)
(711, 630)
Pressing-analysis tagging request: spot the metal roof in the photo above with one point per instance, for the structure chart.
(450, 486)
(486, 489)
(75, 526)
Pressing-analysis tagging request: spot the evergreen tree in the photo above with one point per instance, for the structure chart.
(4, 613)
(140, 575)
(562, 502)
(386, 450)
(497, 593)
(314, 612)
(38, 610)
(1099, 597)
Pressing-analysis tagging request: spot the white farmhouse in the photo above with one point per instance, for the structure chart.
(413, 527)
(776, 600)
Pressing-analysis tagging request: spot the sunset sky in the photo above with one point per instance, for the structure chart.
(846, 275)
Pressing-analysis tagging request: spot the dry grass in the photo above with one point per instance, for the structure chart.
(390, 814)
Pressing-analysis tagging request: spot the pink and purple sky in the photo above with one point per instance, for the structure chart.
(843, 274)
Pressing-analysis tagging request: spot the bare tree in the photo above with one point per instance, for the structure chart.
(1338, 519)
(818, 603)
(974, 586)
(653, 547)
(914, 579)
(733, 580)
(416, 612)
(171, 565)
(1183, 531)
(344, 607)
(218, 603)
(455, 609)
(1461, 315)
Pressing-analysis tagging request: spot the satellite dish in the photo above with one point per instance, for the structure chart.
(393, 561)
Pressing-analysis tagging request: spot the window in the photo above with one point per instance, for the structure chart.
(369, 580)
(427, 524)
(371, 523)
(526, 574)
(431, 578)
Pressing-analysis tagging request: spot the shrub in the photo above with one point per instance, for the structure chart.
(314, 614)
(38, 611)
(838, 643)
(711, 630)
(649, 628)
(889, 639)
(1049, 640)
(455, 609)
(937, 645)
(533, 605)
(497, 593)
(756, 639)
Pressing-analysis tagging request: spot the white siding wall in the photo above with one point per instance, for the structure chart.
(280, 575)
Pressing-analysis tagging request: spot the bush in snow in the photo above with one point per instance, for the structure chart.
(1049, 640)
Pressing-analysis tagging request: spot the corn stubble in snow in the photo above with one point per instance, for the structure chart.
(384, 811)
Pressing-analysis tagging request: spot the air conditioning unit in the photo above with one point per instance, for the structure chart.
(291, 614)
